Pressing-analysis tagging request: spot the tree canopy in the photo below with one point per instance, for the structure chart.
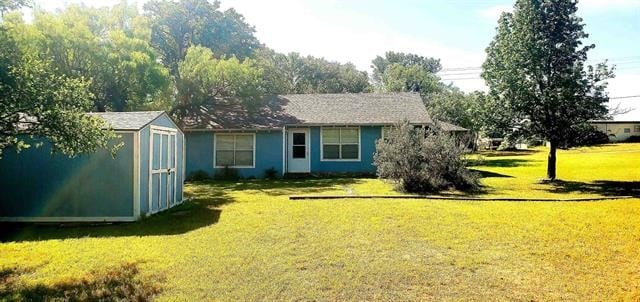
(536, 66)
(178, 25)
(107, 46)
(35, 101)
(380, 64)
(206, 80)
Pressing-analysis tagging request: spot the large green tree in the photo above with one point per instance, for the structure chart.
(206, 80)
(109, 46)
(36, 101)
(177, 25)
(410, 78)
(293, 73)
(380, 64)
(475, 111)
(536, 64)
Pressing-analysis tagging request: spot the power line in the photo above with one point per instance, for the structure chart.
(618, 61)
(625, 97)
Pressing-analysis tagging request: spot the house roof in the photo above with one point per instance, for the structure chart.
(314, 109)
(613, 122)
(128, 120)
(451, 127)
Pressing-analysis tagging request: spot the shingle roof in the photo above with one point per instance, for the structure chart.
(315, 109)
(451, 127)
(128, 120)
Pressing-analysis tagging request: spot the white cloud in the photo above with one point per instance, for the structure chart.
(493, 13)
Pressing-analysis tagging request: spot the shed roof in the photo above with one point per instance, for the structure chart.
(128, 120)
(315, 109)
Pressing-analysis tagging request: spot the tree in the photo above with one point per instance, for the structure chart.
(380, 64)
(293, 73)
(178, 25)
(410, 78)
(536, 65)
(206, 80)
(475, 111)
(109, 46)
(35, 101)
(9, 5)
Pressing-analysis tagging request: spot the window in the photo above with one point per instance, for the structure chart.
(627, 130)
(385, 132)
(341, 144)
(636, 128)
(234, 150)
(299, 145)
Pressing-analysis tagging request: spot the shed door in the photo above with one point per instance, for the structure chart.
(162, 181)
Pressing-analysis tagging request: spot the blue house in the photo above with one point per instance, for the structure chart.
(145, 176)
(303, 133)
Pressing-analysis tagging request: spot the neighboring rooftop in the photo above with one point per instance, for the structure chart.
(128, 120)
(613, 122)
(315, 109)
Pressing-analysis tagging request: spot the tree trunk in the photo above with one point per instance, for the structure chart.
(551, 161)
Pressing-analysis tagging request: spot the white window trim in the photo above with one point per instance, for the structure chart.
(382, 136)
(322, 159)
(215, 141)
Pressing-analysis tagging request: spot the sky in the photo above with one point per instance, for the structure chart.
(456, 31)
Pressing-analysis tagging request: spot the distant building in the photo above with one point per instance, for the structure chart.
(618, 130)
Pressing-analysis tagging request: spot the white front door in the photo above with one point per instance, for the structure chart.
(298, 151)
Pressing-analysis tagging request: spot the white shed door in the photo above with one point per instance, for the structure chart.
(162, 177)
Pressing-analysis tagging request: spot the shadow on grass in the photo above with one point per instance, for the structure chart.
(507, 153)
(602, 187)
(203, 209)
(278, 187)
(487, 174)
(200, 211)
(120, 283)
(501, 163)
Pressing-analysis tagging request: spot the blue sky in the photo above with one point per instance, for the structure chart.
(456, 31)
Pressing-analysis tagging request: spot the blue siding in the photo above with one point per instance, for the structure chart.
(199, 148)
(38, 184)
(368, 137)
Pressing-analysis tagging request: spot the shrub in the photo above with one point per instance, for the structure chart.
(585, 135)
(227, 173)
(271, 173)
(423, 161)
(633, 139)
(199, 175)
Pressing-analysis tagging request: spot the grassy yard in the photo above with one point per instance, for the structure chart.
(247, 241)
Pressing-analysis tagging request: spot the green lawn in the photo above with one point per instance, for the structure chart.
(247, 241)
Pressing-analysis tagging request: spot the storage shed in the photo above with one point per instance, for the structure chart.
(146, 176)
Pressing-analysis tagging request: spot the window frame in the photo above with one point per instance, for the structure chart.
(624, 130)
(234, 134)
(636, 128)
(382, 131)
(340, 159)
